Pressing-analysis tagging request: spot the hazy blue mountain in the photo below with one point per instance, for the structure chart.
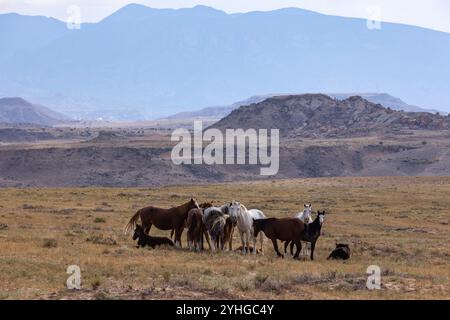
(17, 110)
(386, 100)
(156, 62)
(24, 34)
(217, 112)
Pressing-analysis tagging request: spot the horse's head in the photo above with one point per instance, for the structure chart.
(341, 245)
(257, 225)
(306, 214)
(321, 216)
(137, 232)
(234, 209)
(193, 204)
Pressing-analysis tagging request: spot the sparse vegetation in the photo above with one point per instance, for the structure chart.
(50, 243)
(99, 220)
(380, 219)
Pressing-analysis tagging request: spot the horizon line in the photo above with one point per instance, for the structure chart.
(222, 11)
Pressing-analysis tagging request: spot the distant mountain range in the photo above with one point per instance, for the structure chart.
(384, 99)
(20, 111)
(319, 115)
(149, 63)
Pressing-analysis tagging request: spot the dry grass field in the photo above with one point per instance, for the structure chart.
(400, 224)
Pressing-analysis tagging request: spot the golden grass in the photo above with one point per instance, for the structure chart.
(400, 224)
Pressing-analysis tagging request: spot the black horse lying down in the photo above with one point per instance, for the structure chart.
(146, 240)
(342, 252)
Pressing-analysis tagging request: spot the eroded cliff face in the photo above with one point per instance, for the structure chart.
(320, 116)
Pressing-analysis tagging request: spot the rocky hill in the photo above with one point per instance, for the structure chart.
(215, 113)
(18, 110)
(318, 115)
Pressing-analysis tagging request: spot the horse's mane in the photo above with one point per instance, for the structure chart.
(244, 207)
(224, 208)
(216, 222)
(211, 213)
(182, 205)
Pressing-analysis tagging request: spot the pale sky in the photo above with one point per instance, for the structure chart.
(433, 14)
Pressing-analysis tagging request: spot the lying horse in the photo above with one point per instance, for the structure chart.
(196, 228)
(285, 229)
(146, 240)
(164, 219)
(342, 252)
(219, 227)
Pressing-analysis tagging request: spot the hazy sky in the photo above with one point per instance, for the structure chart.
(434, 14)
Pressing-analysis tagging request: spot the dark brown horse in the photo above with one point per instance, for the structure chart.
(164, 219)
(196, 228)
(204, 205)
(146, 240)
(312, 233)
(285, 229)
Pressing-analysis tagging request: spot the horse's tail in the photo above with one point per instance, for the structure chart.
(132, 223)
(191, 222)
(217, 227)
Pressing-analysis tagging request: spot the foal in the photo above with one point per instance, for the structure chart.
(196, 228)
(285, 229)
(146, 240)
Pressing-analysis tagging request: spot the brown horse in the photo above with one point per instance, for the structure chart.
(196, 228)
(164, 219)
(204, 205)
(285, 229)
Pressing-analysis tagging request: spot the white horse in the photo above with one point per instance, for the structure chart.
(244, 219)
(305, 217)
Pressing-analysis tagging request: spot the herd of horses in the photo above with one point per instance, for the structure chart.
(217, 225)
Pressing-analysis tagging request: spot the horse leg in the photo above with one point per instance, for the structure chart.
(207, 239)
(261, 237)
(299, 248)
(221, 242)
(254, 242)
(189, 240)
(247, 241)
(230, 241)
(213, 244)
(275, 246)
(292, 248)
(178, 233)
(313, 245)
(196, 243)
(243, 241)
(286, 244)
(147, 228)
(217, 243)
